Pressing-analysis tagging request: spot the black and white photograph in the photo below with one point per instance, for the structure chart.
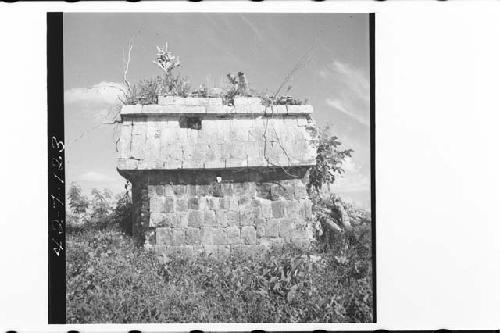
(250, 166)
(218, 168)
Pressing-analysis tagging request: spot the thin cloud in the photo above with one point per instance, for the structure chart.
(337, 104)
(353, 180)
(354, 78)
(350, 90)
(104, 92)
(98, 102)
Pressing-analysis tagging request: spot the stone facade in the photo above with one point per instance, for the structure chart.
(218, 179)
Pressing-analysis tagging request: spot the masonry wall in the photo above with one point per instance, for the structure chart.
(219, 179)
(249, 211)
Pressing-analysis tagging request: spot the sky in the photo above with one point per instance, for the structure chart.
(266, 47)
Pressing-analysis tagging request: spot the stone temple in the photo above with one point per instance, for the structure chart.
(218, 179)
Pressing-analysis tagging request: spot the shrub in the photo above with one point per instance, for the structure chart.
(77, 201)
(109, 279)
(122, 215)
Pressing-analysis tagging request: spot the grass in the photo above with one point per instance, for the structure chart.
(109, 279)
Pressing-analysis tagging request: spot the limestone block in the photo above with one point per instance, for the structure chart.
(247, 217)
(278, 209)
(278, 109)
(152, 141)
(167, 100)
(260, 229)
(172, 109)
(127, 164)
(266, 208)
(247, 101)
(220, 217)
(123, 145)
(248, 235)
(215, 108)
(233, 218)
(215, 164)
(152, 190)
(193, 203)
(191, 189)
(286, 229)
(138, 146)
(272, 228)
(163, 236)
(236, 163)
(180, 190)
(169, 204)
(215, 236)
(202, 203)
(300, 191)
(162, 190)
(209, 217)
(227, 189)
(306, 209)
(213, 203)
(302, 231)
(178, 237)
(300, 109)
(243, 201)
(195, 218)
(202, 190)
(181, 204)
(182, 220)
(233, 235)
(157, 219)
(292, 208)
(219, 236)
(131, 109)
(255, 154)
(157, 204)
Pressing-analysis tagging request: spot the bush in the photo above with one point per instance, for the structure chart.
(122, 215)
(109, 279)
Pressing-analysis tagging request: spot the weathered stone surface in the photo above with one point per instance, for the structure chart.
(248, 235)
(178, 237)
(157, 219)
(272, 228)
(181, 204)
(286, 229)
(233, 218)
(169, 204)
(162, 143)
(163, 236)
(209, 218)
(157, 204)
(233, 235)
(193, 203)
(195, 218)
(278, 209)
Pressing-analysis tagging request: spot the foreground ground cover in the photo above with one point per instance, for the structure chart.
(110, 279)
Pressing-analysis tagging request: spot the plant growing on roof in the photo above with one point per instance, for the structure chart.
(166, 60)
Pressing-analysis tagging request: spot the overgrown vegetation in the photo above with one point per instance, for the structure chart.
(147, 91)
(109, 279)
